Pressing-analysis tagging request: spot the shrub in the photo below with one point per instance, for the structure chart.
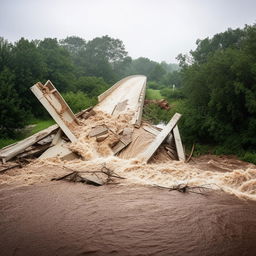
(78, 100)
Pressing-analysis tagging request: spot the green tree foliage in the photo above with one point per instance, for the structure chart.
(78, 100)
(142, 66)
(220, 87)
(29, 67)
(59, 67)
(5, 53)
(90, 85)
(169, 68)
(157, 73)
(12, 116)
(101, 57)
(74, 45)
(173, 78)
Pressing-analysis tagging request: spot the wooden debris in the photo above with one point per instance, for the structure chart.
(5, 169)
(163, 104)
(148, 153)
(57, 107)
(56, 139)
(96, 178)
(59, 150)
(171, 151)
(34, 151)
(46, 140)
(151, 130)
(185, 188)
(125, 140)
(98, 131)
(81, 113)
(191, 153)
(76, 177)
(13, 150)
(101, 138)
(178, 143)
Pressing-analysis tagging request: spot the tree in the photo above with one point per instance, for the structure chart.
(73, 44)
(103, 56)
(29, 67)
(5, 53)
(59, 67)
(141, 66)
(157, 73)
(92, 86)
(12, 116)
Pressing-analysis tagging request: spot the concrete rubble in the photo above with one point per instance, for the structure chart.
(113, 127)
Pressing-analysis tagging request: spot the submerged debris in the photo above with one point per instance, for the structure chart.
(96, 178)
(185, 188)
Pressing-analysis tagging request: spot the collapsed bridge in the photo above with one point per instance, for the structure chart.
(128, 137)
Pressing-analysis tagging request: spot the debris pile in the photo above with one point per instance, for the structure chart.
(163, 104)
(113, 127)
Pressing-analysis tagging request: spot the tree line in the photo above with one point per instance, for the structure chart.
(219, 85)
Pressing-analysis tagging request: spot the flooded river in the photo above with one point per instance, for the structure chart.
(61, 218)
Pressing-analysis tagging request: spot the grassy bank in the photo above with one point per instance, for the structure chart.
(152, 94)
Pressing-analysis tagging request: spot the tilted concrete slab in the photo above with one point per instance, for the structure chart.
(151, 149)
(57, 107)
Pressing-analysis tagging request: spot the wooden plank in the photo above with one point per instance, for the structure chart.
(178, 143)
(125, 140)
(59, 150)
(82, 112)
(57, 137)
(98, 130)
(19, 147)
(57, 107)
(151, 130)
(154, 145)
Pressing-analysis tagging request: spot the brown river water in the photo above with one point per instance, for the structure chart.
(61, 218)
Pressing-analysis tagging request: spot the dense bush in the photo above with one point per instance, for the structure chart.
(172, 94)
(78, 100)
(12, 116)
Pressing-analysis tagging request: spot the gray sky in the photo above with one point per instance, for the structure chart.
(157, 29)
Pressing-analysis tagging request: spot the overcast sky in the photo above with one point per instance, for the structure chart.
(157, 29)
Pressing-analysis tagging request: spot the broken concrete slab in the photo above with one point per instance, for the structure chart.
(57, 107)
(101, 138)
(59, 150)
(98, 130)
(125, 140)
(178, 143)
(150, 150)
(151, 129)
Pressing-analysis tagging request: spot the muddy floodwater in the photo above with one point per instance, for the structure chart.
(61, 218)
